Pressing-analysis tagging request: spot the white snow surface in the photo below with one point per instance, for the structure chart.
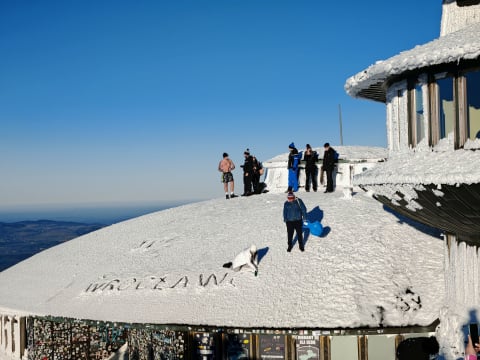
(453, 47)
(355, 274)
(427, 167)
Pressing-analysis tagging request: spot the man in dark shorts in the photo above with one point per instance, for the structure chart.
(225, 166)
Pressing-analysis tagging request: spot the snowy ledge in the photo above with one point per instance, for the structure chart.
(451, 48)
(426, 167)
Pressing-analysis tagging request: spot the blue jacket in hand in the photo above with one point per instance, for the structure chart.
(294, 210)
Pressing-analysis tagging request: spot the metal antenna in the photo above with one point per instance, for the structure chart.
(340, 119)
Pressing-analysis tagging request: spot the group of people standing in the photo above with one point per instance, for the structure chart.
(252, 171)
(294, 210)
(311, 170)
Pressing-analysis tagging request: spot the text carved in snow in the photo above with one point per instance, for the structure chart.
(159, 283)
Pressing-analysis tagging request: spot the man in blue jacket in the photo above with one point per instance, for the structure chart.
(294, 212)
(294, 158)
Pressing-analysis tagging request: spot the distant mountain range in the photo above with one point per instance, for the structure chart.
(20, 240)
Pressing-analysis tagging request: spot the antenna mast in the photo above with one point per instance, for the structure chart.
(340, 120)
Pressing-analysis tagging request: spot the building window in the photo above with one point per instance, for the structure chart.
(467, 2)
(416, 115)
(448, 107)
(473, 104)
(419, 114)
(446, 110)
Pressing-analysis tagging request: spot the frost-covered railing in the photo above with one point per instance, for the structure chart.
(12, 337)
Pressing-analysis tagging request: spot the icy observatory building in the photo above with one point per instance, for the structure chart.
(432, 95)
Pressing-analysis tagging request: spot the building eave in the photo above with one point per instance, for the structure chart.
(372, 83)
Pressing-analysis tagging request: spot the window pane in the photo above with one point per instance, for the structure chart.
(473, 104)
(447, 109)
(344, 347)
(420, 124)
(381, 347)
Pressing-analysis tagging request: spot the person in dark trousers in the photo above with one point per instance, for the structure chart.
(247, 173)
(293, 161)
(294, 212)
(311, 169)
(329, 165)
(256, 175)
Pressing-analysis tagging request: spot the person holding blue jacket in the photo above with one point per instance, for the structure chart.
(294, 212)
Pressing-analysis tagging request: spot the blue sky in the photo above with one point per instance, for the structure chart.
(131, 101)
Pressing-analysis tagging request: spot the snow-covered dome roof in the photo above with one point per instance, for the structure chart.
(166, 268)
(463, 44)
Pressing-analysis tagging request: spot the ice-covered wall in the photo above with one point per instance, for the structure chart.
(462, 296)
(397, 117)
(12, 341)
(456, 17)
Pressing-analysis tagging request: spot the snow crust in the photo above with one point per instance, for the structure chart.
(166, 268)
(435, 166)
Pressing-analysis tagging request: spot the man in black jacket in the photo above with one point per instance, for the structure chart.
(247, 173)
(311, 170)
(329, 165)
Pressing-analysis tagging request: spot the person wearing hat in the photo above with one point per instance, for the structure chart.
(247, 173)
(328, 165)
(293, 161)
(294, 212)
(311, 169)
(226, 166)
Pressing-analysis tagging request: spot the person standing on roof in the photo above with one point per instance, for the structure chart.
(329, 165)
(226, 166)
(247, 173)
(293, 161)
(257, 166)
(311, 169)
(294, 213)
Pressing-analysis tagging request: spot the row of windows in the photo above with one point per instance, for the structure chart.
(446, 106)
(64, 338)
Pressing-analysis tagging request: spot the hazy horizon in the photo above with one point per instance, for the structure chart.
(101, 213)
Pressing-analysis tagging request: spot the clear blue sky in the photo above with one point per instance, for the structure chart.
(131, 101)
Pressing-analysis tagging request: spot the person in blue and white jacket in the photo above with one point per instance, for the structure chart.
(294, 213)
(294, 158)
